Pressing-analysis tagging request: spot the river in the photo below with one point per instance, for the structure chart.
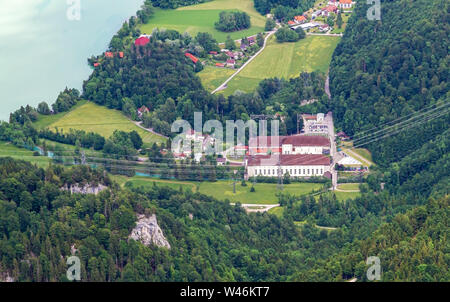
(44, 45)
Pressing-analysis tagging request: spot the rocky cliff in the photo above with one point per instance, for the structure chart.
(148, 232)
(86, 189)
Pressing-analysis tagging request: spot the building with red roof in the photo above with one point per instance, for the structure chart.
(300, 19)
(192, 57)
(141, 41)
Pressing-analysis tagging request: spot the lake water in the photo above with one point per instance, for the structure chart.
(42, 51)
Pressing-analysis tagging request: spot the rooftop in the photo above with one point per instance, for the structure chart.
(290, 160)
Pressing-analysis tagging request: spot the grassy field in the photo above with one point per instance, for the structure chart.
(364, 153)
(212, 77)
(9, 150)
(201, 18)
(349, 186)
(285, 60)
(265, 193)
(94, 118)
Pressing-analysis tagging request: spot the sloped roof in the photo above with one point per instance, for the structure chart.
(306, 140)
(142, 41)
(290, 160)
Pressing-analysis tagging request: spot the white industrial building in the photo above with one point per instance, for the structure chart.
(296, 165)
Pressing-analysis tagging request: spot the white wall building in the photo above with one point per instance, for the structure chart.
(305, 144)
(297, 165)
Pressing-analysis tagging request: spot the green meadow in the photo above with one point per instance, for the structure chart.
(9, 150)
(201, 18)
(91, 117)
(264, 193)
(285, 60)
(212, 77)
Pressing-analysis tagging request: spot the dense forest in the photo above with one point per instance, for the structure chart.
(382, 73)
(384, 70)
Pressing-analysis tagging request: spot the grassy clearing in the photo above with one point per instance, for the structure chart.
(285, 60)
(349, 186)
(94, 118)
(9, 150)
(265, 193)
(201, 18)
(364, 153)
(46, 120)
(277, 211)
(212, 77)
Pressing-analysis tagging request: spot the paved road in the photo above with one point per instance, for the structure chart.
(333, 151)
(148, 130)
(224, 84)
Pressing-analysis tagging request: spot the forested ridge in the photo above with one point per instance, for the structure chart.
(384, 70)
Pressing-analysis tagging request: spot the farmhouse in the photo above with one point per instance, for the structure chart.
(141, 111)
(141, 41)
(300, 19)
(251, 40)
(296, 165)
(192, 57)
(345, 4)
(231, 62)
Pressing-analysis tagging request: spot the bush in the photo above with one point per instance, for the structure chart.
(285, 34)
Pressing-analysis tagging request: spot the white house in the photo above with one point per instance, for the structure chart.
(296, 165)
(343, 4)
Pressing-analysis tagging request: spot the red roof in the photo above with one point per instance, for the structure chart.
(192, 57)
(306, 140)
(142, 41)
(143, 109)
(265, 141)
(109, 54)
(290, 160)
